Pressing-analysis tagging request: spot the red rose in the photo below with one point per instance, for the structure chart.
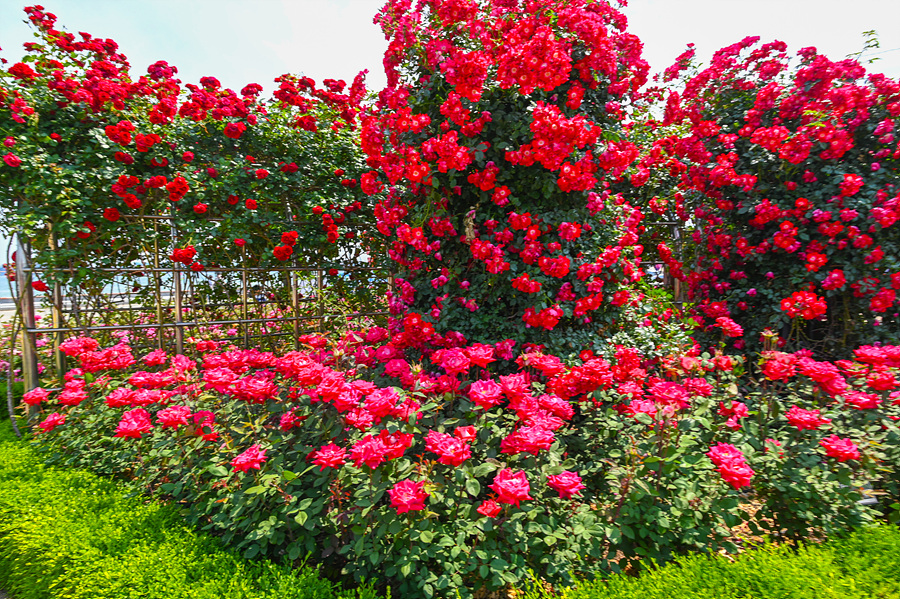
(250, 204)
(235, 130)
(408, 496)
(261, 173)
(566, 482)
(489, 508)
(282, 252)
(177, 188)
(841, 449)
(51, 422)
(184, 255)
(111, 214)
(134, 423)
(511, 487)
(35, 396)
(233, 200)
(39, 285)
(196, 267)
(187, 156)
(240, 242)
(200, 208)
(330, 456)
(252, 458)
(85, 234)
(12, 160)
(454, 361)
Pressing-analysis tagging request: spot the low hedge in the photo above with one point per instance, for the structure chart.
(68, 534)
(866, 564)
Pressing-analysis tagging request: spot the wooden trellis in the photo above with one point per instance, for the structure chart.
(257, 304)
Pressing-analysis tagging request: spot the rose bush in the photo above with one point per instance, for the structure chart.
(448, 475)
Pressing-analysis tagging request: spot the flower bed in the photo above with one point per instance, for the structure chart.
(531, 405)
(425, 466)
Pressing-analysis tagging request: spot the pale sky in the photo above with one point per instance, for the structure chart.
(244, 41)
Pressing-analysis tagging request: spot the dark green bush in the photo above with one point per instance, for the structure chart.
(70, 534)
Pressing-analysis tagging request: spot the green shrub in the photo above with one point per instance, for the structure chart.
(18, 389)
(864, 564)
(70, 534)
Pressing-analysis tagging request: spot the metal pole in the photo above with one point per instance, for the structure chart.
(176, 273)
(321, 295)
(158, 287)
(295, 297)
(59, 358)
(244, 302)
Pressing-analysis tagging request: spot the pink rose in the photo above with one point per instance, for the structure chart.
(330, 456)
(253, 457)
(567, 483)
(511, 487)
(408, 496)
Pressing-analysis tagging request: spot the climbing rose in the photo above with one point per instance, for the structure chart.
(235, 130)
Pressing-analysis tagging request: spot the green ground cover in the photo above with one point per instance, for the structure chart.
(71, 534)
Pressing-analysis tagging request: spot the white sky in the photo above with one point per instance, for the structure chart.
(243, 41)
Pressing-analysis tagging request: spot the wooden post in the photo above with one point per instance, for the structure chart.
(26, 304)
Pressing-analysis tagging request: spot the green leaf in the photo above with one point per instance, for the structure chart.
(217, 470)
(473, 487)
